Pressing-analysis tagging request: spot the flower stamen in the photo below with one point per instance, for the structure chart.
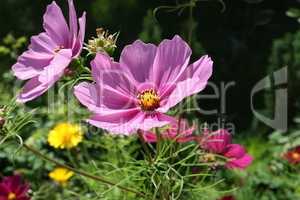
(148, 100)
(11, 196)
(58, 48)
(296, 155)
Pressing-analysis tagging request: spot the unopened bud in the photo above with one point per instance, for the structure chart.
(68, 72)
(2, 122)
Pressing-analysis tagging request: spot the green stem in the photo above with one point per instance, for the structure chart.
(144, 145)
(91, 176)
(190, 22)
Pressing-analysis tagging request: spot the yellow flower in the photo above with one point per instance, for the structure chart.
(65, 136)
(61, 175)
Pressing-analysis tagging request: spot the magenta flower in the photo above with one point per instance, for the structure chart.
(12, 188)
(179, 131)
(136, 92)
(219, 142)
(50, 52)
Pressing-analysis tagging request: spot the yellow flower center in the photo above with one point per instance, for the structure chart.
(209, 157)
(296, 156)
(58, 48)
(148, 100)
(11, 196)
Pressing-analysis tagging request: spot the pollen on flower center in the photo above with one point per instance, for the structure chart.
(11, 196)
(148, 100)
(58, 48)
(296, 155)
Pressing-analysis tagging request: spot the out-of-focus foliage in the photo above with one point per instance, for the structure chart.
(285, 52)
(294, 13)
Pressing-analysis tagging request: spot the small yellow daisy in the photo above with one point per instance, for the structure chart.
(61, 175)
(65, 136)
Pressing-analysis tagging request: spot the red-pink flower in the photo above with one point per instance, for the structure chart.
(180, 131)
(227, 198)
(293, 155)
(136, 92)
(219, 142)
(12, 188)
(50, 52)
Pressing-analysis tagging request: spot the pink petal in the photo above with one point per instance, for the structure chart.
(149, 136)
(3, 191)
(55, 25)
(110, 74)
(87, 94)
(183, 135)
(30, 64)
(56, 67)
(234, 151)
(32, 89)
(43, 43)
(155, 120)
(171, 59)
(192, 81)
(40, 84)
(240, 163)
(217, 141)
(181, 131)
(127, 122)
(118, 121)
(24, 198)
(97, 99)
(79, 41)
(138, 59)
(72, 19)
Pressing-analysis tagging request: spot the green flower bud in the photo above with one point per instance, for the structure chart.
(104, 42)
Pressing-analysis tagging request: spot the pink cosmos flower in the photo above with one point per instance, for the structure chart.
(12, 188)
(219, 142)
(135, 92)
(50, 52)
(181, 132)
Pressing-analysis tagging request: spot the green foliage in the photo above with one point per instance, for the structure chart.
(151, 30)
(11, 45)
(294, 13)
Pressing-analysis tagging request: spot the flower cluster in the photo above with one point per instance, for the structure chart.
(219, 142)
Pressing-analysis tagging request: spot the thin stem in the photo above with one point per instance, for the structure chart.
(191, 22)
(97, 178)
(144, 145)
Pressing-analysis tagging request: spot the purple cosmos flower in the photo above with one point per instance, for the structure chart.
(12, 188)
(136, 92)
(179, 131)
(219, 142)
(50, 52)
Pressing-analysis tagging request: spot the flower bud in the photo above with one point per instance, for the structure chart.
(68, 72)
(104, 42)
(2, 122)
